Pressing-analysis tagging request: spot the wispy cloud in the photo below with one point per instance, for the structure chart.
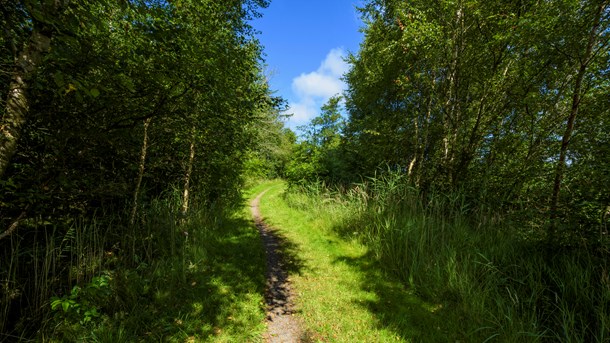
(313, 89)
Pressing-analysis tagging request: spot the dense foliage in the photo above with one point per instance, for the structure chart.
(316, 156)
(107, 106)
(506, 101)
(476, 159)
(481, 130)
(464, 275)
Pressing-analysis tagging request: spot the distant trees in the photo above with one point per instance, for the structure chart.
(317, 155)
(269, 158)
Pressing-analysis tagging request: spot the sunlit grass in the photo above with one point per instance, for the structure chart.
(478, 276)
(343, 294)
(369, 264)
(170, 279)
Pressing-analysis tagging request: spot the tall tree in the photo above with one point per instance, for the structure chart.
(27, 60)
(593, 44)
(482, 96)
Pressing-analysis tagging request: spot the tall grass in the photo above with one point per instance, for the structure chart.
(169, 277)
(494, 282)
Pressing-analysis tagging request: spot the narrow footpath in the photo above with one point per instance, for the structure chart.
(282, 325)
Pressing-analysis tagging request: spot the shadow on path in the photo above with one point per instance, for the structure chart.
(282, 260)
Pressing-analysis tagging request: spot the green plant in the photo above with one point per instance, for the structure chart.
(83, 304)
(488, 277)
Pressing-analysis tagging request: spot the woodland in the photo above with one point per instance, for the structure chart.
(470, 154)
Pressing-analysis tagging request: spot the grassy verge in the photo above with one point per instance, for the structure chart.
(343, 294)
(470, 276)
(168, 279)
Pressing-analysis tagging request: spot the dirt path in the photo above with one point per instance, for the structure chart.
(282, 326)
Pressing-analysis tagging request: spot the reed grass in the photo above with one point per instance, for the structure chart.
(493, 282)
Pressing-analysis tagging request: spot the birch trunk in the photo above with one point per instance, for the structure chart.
(187, 178)
(426, 134)
(452, 104)
(585, 60)
(416, 145)
(17, 102)
(136, 192)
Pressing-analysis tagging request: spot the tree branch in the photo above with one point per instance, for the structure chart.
(13, 226)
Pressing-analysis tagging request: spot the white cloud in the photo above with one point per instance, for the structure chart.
(313, 89)
(334, 63)
(302, 112)
(316, 85)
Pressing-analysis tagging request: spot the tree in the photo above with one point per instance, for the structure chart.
(593, 44)
(317, 155)
(27, 60)
(115, 104)
(483, 97)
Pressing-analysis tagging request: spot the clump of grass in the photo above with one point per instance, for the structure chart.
(168, 278)
(489, 280)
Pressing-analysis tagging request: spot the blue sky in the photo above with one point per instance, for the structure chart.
(305, 42)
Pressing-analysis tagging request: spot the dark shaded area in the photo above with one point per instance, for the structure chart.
(278, 292)
(190, 289)
(207, 290)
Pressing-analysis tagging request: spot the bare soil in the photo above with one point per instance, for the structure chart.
(282, 325)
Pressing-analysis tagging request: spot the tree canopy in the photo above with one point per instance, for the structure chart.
(506, 101)
(107, 105)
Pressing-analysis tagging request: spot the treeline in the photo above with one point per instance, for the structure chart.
(507, 102)
(474, 162)
(107, 106)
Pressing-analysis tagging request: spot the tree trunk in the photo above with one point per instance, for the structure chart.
(426, 135)
(187, 177)
(136, 192)
(17, 102)
(565, 140)
(13, 226)
(452, 106)
(416, 146)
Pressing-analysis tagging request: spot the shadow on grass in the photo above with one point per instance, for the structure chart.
(214, 291)
(397, 308)
(288, 251)
(282, 260)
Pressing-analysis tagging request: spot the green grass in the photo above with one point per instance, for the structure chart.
(153, 282)
(209, 287)
(343, 294)
(467, 275)
(369, 264)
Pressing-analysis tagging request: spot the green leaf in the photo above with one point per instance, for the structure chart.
(74, 292)
(55, 303)
(94, 92)
(59, 79)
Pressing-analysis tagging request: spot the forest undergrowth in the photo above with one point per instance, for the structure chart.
(492, 278)
(167, 278)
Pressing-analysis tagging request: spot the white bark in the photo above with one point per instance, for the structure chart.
(136, 193)
(187, 178)
(17, 102)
